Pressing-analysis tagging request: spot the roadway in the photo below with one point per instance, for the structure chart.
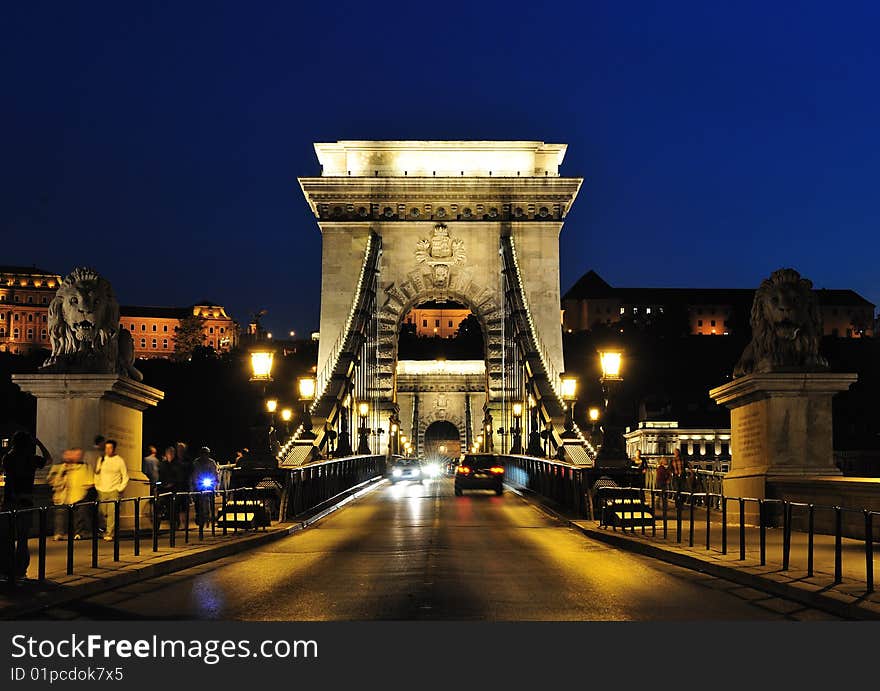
(418, 552)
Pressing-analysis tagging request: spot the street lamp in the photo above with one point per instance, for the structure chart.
(516, 437)
(363, 432)
(271, 405)
(343, 447)
(263, 442)
(261, 364)
(535, 447)
(286, 415)
(306, 387)
(612, 453)
(569, 395)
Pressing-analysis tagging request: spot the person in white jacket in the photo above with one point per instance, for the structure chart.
(111, 478)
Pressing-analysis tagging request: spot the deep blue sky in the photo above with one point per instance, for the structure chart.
(718, 141)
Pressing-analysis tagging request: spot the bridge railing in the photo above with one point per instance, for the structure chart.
(316, 484)
(564, 484)
(762, 529)
(218, 513)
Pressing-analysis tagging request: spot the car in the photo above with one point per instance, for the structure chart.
(479, 471)
(406, 469)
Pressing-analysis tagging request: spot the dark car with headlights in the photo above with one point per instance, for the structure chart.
(479, 471)
(406, 469)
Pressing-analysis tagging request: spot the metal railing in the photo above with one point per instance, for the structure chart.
(316, 484)
(563, 484)
(82, 524)
(712, 512)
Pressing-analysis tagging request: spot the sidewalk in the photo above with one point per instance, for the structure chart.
(849, 598)
(30, 596)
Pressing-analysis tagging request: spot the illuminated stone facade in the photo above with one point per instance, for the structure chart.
(436, 321)
(25, 294)
(153, 328)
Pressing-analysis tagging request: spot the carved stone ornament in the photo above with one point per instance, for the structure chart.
(786, 327)
(438, 252)
(84, 329)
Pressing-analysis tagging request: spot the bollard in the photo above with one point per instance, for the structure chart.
(41, 558)
(786, 535)
(172, 519)
(708, 521)
(723, 501)
(156, 520)
(70, 536)
(96, 520)
(838, 539)
(691, 527)
(13, 567)
(116, 530)
(137, 526)
(869, 551)
(810, 534)
(762, 532)
(742, 529)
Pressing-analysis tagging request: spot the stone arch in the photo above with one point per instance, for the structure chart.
(434, 416)
(398, 298)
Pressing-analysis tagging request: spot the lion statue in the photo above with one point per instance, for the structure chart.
(84, 329)
(786, 327)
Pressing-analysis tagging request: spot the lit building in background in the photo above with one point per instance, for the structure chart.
(704, 448)
(436, 319)
(153, 328)
(25, 294)
(591, 301)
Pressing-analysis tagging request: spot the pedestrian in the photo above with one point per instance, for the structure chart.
(71, 481)
(111, 479)
(641, 465)
(661, 478)
(204, 479)
(20, 465)
(170, 482)
(150, 467)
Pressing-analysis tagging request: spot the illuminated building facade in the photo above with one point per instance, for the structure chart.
(698, 311)
(434, 319)
(25, 294)
(153, 328)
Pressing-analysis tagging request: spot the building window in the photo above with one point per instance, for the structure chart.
(43, 334)
(165, 343)
(30, 317)
(2, 331)
(2, 316)
(143, 343)
(165, 328)
(623, 310)
(30, 299)
(222, 330)
(15, 316)
(154, 327)
(17, 299)
(424, 322)
(143, 327)
(436, 322)
(647, 310)
(699, 322)
(154, 343)
(45, 300)
(712, 323)
(131, 328)
(15, 333)
(30, 334)
(450, 322)
(211, 329)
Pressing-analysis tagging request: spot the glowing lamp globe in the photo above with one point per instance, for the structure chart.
(306, 388)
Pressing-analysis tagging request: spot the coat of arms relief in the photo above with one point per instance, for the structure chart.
(439, 252)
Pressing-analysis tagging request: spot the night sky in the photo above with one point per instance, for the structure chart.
(161, 144)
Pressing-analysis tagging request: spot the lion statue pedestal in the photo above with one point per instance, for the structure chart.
(89, 385)
(780, 397)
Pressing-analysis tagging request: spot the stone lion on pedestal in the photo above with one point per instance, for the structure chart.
(84, 329)
(786, 327)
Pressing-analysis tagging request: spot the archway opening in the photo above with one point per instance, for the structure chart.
(440, 330)
(442, 441)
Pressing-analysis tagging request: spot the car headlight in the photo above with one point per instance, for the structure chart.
(397, 472)
(415, 471)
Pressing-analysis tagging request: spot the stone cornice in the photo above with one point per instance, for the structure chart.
(123, 390)
(755, 387)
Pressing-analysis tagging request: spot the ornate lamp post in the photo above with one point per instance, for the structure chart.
(306, 387)
(612, 453)
(263, 441)
(516, 435)
(569, 395)
(535, 448)
(343, 448)
(363, 433)
(286, 415)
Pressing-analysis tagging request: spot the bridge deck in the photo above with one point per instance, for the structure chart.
(418, 552)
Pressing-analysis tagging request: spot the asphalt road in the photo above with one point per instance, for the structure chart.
(418, 552)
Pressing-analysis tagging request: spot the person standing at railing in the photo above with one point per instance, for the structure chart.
(111, 479)
(20, 465)
(661, 475)
(71, 481)
(205, 480)
(170, 480)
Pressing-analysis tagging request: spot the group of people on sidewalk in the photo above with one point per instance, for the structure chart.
(673, 473)
(79, 479)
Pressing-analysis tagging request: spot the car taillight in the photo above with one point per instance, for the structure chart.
(498, 470)
(463, 469)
